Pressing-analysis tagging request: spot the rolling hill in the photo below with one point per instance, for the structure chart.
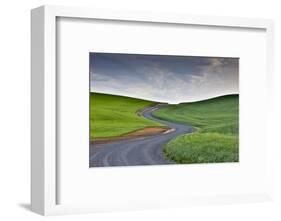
(217, 135)
(112, 115)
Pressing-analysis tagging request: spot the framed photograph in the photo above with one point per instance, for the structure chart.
(136, 110)
(138, 117)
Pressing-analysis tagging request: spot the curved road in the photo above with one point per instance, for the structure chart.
(137, 151)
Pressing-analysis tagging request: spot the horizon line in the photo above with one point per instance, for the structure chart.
(217, 96)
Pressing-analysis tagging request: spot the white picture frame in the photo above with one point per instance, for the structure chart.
(44, 91)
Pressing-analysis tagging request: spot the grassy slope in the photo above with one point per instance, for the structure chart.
(112, 115)
(217, 137)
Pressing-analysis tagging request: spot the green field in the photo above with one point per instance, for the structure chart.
(112, 115)
(217, 135)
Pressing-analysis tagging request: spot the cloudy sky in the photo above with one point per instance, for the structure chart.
(162, 78)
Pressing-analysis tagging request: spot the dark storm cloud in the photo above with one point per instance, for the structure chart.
(163, 78)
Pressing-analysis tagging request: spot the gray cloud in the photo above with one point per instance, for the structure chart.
(172, 79)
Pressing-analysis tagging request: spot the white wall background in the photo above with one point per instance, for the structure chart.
(15, 107)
